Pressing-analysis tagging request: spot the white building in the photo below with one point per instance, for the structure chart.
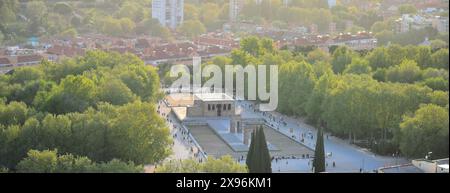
(170, 13)
(331, 3)
(418, 166)
(286, 3)
(416, 22)
(440, 24)
(360, 41)
(235, 9)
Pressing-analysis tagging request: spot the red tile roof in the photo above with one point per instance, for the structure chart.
(206, 40)
(349, 37)
(124, 50)
(65, 51)
(4, 61)
(29, 58)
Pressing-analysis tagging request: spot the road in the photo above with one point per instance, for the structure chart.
(182, 143)
(347, 157)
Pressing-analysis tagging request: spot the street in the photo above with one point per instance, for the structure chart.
(347, 157)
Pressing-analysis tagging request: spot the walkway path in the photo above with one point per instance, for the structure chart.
(347, 157)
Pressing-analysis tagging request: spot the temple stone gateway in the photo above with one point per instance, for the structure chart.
(220, 106)
(222, 127)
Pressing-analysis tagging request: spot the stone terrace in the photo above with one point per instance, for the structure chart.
(215, 146)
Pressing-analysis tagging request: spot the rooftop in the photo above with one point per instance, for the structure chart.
(213, 97)
(5, 61)
(407, 168)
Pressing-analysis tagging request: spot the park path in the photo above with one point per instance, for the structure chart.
(347, 157)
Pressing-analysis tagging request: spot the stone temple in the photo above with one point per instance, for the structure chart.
(222, 127)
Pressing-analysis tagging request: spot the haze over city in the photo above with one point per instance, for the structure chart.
(224, 86)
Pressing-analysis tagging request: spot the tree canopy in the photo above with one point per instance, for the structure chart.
(100, 107)
(358, 96)
(224, 164)
(258, 156)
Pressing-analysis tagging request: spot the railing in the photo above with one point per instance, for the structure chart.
(290, 137)
(200, 149)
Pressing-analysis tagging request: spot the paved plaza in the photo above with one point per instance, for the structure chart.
(286, 135)
(213, 145)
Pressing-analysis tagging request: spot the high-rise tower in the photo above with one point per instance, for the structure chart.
(235, 9)
(170, 13)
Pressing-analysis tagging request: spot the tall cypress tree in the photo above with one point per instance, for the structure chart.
(266, 162)
(258, 157)
(319, 154)
(249, 161)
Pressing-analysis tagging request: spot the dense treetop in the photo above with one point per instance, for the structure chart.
(100, 106)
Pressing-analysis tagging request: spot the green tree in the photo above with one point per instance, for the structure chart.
(439, 98)
(224, 164)
(117, 166)
(378, 58)
(28, 91)
(407, 72)
(258, 157)
(358, 66)
(22, 75)
(209, 15)
(191, 12)
(436, 83)
(132, 10)
(396, 54)
(180, 166)
(63, 8)
(313, 107)
(112, 26)
(138, 134)
(39, 162)
(115, 92)
(407, 9)
(318, 55)
(346, 105)
(438, 44)
(298, 80)
(48, 161)
(251, 45)
(74, 94)
(153, 27)
(240, 57)
(69, 33)
(425, 131)
(319, 153)
(37, 12)
(2, 37)
(342, 57)
(440, 59)
(8, 9)
(192, 28)
(423, 56)
(380, 26)
(15, 113)
(142, 80)
(127, 25)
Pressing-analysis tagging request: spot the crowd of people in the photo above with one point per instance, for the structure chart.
(182, 134)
